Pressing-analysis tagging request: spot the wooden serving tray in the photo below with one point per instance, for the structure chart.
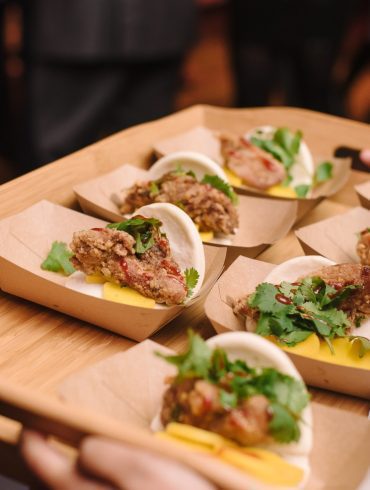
(40, 347)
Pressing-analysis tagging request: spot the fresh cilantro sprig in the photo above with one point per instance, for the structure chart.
(195, 362)
(237, 381)
(293, 311)
(58, 259)
(191, 279)
(218, 183)
(284, 145)
(142, 229)
(302, 190)
(323, 173)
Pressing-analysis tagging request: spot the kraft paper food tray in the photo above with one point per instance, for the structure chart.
(26, 241)
(261, 221)
(335, 238)
(205, 141)
(128, 387)
(363, 193)
(241, 278)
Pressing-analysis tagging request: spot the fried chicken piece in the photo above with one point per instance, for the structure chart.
(197, 402)
(254, 166)
(243, 310)
(363, 247)
(208, 207)
(111, 253)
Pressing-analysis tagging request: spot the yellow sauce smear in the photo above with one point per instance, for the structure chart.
(124, 295)
(95, 279)
(206, 236)
(232, 177)
(281, 191)
(346, 351)
(261, 464)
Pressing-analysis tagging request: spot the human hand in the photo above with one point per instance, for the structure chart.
(104, 464)
(365, 156)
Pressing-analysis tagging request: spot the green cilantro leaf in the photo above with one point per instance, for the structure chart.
(296, 336)
(283, 425)
(284, 146)
(284, 389)
(191, 279)
(323, 173)
(216, 182)
(275, 149)
(58, 259)
(195, 362)
(142, 229)
(302, 190)
(288, 140)
(265, 299)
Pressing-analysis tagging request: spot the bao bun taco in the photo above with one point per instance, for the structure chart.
(310, 295)
(192, 182)
(157, 253)
(273, 160)
(243, 388)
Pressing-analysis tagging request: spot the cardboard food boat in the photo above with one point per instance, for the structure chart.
(363, 193)
(206, 141)
(335, 238)
(128, 388)
(26, 240)
(346, 373)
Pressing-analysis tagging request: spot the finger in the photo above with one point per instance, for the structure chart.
(53, 468)
(365, 156)
(134, 469)
(45, 461)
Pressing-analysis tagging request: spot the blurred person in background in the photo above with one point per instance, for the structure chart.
(284, 52)
(4, 108)
(94, 67)
(353, 68)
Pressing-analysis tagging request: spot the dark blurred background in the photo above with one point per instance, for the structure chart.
(74, 71)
